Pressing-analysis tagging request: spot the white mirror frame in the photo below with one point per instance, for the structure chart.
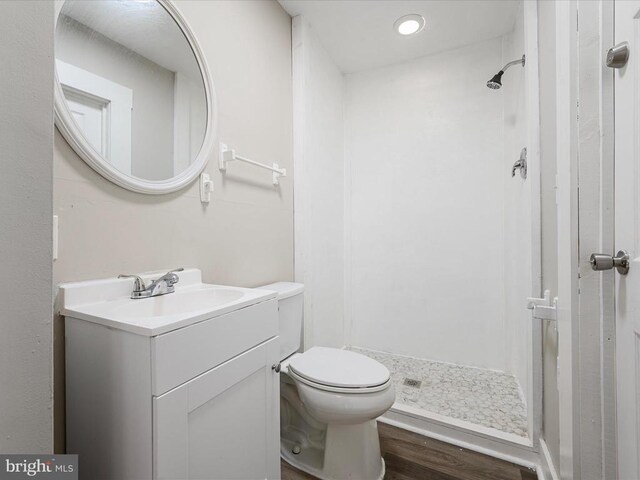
(72, 134)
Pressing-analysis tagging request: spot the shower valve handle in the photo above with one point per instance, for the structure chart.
(521, 164)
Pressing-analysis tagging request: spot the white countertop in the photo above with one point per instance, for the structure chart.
(107, 302)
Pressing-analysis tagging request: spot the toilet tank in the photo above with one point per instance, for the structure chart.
(290, 313)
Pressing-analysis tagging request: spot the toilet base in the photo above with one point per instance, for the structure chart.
(351, 452)
(291, 460)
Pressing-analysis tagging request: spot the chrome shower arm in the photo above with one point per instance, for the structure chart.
(496, 81)
(514, 62)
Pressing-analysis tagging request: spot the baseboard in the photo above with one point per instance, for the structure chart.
(434, 419)
(521, 455)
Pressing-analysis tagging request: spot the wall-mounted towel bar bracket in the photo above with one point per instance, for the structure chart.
(229, 155)
(206, 187)
(543, 308)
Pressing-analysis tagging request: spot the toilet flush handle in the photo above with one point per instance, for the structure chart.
(276, 367)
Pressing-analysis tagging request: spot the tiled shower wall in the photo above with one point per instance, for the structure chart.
(425, 149)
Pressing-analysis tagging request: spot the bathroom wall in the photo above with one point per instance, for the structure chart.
(319, 185)
(517, 207)
(245, 235)
(153, 93)
(425, 157)
(26, 156)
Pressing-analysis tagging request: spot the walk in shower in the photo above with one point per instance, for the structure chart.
(416, 208)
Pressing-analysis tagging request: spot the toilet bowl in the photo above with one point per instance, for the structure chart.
(340, 386)
(329, 401)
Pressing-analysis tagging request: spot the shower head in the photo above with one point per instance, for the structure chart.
(496, 81)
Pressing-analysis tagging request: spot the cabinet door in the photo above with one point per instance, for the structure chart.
(223, 424)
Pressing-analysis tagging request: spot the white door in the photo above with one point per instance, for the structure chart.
(627, 237)
(103, 110)
(223, 424)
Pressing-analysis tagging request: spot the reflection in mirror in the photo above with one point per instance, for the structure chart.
(132, 84)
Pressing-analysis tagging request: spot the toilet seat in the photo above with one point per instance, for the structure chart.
(340, 371)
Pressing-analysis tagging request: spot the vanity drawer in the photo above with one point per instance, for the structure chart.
(183, 354)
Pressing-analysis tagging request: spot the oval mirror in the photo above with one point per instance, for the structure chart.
(133, 94)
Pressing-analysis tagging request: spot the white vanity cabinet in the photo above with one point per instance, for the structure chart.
(215, 425)
(196, 402)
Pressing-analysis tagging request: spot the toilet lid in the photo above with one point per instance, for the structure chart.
(339, 368)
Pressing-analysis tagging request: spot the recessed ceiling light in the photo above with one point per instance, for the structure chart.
(409, 24)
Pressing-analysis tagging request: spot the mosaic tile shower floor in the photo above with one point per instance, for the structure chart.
(483, 397)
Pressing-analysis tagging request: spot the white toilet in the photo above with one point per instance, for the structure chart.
(329, 401)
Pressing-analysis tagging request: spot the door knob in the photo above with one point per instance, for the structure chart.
(600, 261)
(618, 56)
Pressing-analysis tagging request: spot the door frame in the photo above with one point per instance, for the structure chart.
(532, 94)
(596, 326)
(585, 162)
(567, 200)
(608, 354)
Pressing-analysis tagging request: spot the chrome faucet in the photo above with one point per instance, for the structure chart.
(161, 286)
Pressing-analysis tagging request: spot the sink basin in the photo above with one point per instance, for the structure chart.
(185, 301)
(108, 302)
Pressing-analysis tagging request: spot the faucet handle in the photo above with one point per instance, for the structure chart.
(170, 277)
(138, 284)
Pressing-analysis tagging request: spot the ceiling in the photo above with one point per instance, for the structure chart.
(359, 34)
(144, 27)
